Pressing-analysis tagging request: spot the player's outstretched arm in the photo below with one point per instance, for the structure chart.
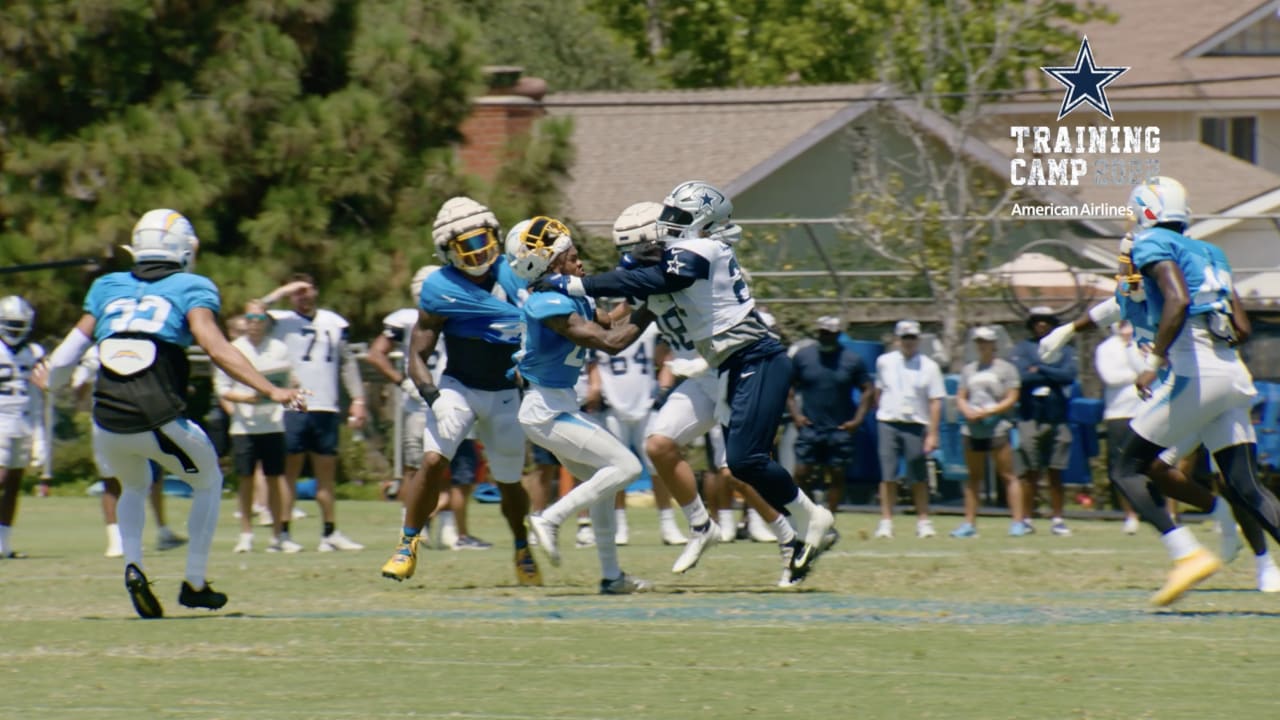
(426, 333)
(588, 334)
(56, 370)
(1101, 315)
(204, 328)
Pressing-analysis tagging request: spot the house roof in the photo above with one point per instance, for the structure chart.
(1233, 180)
(1155, 38)
(633, 146)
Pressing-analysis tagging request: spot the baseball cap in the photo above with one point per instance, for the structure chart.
(828, 323)
(1042, 311)
(985, 332)
(907, 328)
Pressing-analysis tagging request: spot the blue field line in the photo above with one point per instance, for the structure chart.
(779, 608)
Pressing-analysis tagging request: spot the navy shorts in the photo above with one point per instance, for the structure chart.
(824, 448)
(315, 432)
(249, 450)
(462, 469)
(543, 456)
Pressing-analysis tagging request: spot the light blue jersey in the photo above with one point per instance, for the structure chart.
(546, 357)
(122, 303)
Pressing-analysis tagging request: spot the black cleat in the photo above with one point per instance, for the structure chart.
(206, 597)
(144, 601)
(804, 556)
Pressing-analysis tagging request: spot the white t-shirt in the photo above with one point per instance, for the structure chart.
(271, 358)
(317, 347)
(1118, 366)
(906, 387)
(627, 380)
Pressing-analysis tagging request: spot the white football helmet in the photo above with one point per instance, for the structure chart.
(637, 224)
(16, 318)
(1158, 200)
(420, 277)
(514, 242)
(466, 235)
(692, 209)
(538, 246)
(164, 235)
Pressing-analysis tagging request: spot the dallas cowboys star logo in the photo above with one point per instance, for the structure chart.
(674, 266)
(1085, 82)
(706, 199)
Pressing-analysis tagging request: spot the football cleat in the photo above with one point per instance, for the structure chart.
(206, 597)
(671, 535)
(144, 601)
(1187, 572)
(403, 561)
(548, 537)
(337, 541)
(624, 584)
(699, 542)
(527, 572)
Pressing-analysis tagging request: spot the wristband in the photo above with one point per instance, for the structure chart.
(1155, 362)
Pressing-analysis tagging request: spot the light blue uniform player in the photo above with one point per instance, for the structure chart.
(559, 333)
(143, 321)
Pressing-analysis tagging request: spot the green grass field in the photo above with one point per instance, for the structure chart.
(1041, 627)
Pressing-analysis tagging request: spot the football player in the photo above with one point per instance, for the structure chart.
(21, 410)
(143, 321)
(474, 304)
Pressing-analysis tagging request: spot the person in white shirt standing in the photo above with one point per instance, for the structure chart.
(317, 342)
(629, 384)
(909, 391)
(1118, 362)
(22, 437)
(257, 425)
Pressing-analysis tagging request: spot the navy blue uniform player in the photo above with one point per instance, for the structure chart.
(142, 322)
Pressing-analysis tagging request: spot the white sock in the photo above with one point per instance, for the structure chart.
(1263, 561)
(801, 509)
(666, 518)
(131, 510)
(696, 513)
(202, 521)
(246, 536)
(1180, 542)
(113, 535)
(782, 528)
(603, 518)
(4, 539)
(620, 519)
(724, 518)
(606, 481)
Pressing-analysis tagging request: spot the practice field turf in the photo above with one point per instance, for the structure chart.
(996, 627)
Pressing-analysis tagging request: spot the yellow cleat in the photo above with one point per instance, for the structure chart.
(527, 572)
(404, 561)
(1187, 572)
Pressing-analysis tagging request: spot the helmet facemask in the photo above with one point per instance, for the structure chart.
(1129, 280)
(538, 246)
(474, 250)
(16, 320)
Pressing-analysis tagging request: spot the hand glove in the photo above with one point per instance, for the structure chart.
(429, 393)
(409, 388)
(564, 284)
(1051, 345)
(687, 368)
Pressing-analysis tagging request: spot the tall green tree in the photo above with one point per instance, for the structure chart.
(308, 135)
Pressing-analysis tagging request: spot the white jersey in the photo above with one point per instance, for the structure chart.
(21, 403)
(271, 358)
(670, 320)
(398, 328)
(628, 379)
(317, 347)
(718, 307)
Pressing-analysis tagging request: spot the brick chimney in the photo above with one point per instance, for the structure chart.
(510, 108)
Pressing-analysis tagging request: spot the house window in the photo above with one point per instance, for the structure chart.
(1260, 38)
(1237, 136)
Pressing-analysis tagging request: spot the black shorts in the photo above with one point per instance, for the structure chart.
(315, 432)
(824, 448)
(249, 450)
(462, 469)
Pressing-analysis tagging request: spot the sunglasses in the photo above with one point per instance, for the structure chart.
(256, 316)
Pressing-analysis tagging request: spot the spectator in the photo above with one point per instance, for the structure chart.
(257, 426)
(823, 378)
(317, 342)
(1118, 361)
(988, 392)
(909, 391)
(1043, 435)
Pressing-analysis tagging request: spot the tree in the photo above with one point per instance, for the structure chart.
(297, 135)
(922, 201)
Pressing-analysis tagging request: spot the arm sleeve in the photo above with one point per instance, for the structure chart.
(637, 283)
(1062, 372)
(66, 357)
